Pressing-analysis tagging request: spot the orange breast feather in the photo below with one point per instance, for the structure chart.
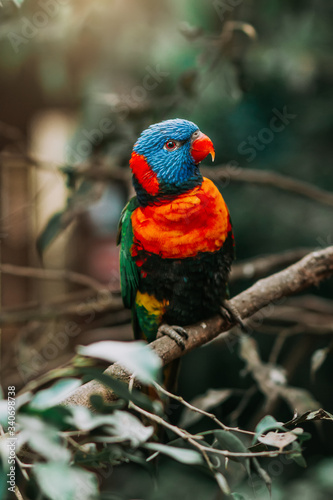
(197, 221)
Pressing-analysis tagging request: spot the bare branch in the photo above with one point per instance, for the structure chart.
(309, 271)
(105, 172)
(52, 274)
(306, 321)
(263, 265)
(201, 412)
(104, 301)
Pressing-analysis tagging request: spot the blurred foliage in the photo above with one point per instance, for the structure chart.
(231, 67)
(70, 449)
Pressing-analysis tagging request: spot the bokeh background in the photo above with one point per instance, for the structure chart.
(79, 81)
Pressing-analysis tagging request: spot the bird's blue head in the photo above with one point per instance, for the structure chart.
(165, 160)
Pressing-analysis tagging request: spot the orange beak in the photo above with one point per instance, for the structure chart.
(201, 147)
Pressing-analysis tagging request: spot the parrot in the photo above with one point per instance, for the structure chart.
(176, 237)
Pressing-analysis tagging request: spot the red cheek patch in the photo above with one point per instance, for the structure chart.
(144, 174)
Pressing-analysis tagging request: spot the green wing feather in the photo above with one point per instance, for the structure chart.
(129, 275)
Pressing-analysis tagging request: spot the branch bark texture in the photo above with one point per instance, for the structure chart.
(310, 270)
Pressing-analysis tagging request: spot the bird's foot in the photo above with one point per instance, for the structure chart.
(230, 313)
(176, 333)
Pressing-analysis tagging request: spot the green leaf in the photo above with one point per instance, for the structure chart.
(18, 3)
(136, 357)
(305, 436)
(55, 394)
(71, 174)
(19, 402)
(86, 193)
(88, 455)
(323, 473)
(122, 390)
(222, 482)
(263, 474)
(61, 482)
(297, 455)
(228, 441)
(278, 439)
(43, 438)
(56, 415)
(97, 401)
(85, 420)
(120, 424)
(129, 427)
(268, 423)
(258, 447)
(309, 416)
(3, 413)
(4, 455)
(56, 224)
(3, 485)
(182, 455)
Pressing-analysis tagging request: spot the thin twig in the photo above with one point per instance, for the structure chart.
(235, 414)
(74, 443)
(192, 439)
(18, 494)
(78, 296)
(180, 432)
(280, 340)
(202, 412)
(24, 466)
(259, 267)
(318, 323)
(52, 274)
(104, 301)
(222, 173)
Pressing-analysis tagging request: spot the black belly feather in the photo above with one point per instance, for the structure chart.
(194, 286)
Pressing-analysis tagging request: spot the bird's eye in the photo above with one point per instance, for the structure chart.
(171, 145)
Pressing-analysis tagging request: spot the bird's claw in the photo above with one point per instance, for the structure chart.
(231, 314)
(176, 333)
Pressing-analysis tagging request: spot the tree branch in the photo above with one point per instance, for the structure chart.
(263, 265)
(52, 275)
(104, 301)
(251, 268)
(310, 270)
(218, 173)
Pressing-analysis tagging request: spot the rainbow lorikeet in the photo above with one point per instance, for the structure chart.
(176, 237)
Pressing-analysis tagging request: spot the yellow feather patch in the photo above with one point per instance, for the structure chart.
(151, 304)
